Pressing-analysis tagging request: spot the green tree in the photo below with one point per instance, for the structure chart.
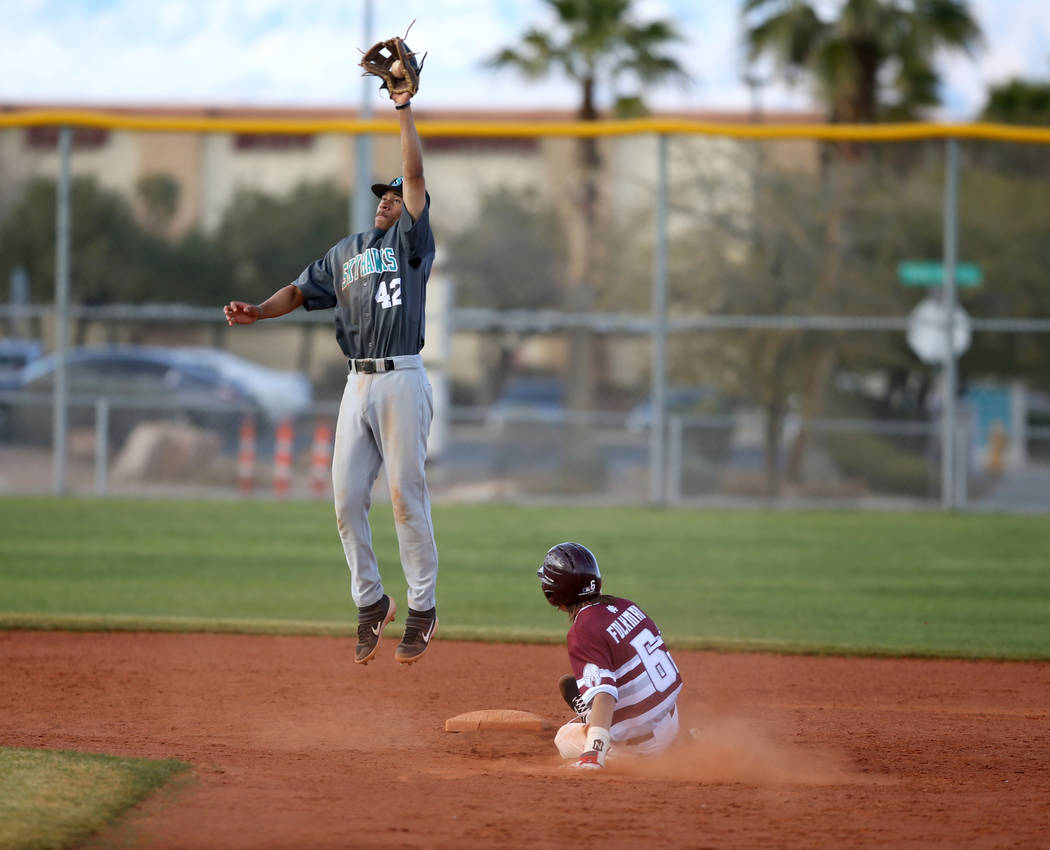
(268, 240)
(159, 196)
(512, 257)
(112, 257)
(871, 60)
(1018, 101)
(261, 241)
(596, 45)
(1002, 227)
(195, 269)
(600, 47)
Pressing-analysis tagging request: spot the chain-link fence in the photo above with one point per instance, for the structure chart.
(653, 311)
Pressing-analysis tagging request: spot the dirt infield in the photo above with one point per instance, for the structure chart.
(295, 747)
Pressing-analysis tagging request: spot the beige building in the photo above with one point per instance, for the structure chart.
(209, 168)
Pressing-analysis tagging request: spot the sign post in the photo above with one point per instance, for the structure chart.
(939, 329)
(951, 256)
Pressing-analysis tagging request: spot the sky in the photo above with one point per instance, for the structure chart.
(304, 53)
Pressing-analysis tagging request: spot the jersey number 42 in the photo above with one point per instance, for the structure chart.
(387, 298)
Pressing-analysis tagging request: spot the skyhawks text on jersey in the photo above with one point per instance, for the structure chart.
(369, 261)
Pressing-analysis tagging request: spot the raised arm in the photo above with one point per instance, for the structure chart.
(414, 189)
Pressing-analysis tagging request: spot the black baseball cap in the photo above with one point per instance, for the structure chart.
(380, 189)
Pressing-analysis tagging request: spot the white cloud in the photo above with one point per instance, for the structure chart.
(306, 52)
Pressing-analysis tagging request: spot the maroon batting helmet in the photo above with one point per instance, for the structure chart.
(569, 575)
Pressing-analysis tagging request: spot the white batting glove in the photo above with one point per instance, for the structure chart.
(588, 761)
(598, 747)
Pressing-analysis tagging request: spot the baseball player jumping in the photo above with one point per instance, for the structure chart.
(376, 281)
(625, 685)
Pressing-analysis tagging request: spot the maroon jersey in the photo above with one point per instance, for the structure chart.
(616, 648)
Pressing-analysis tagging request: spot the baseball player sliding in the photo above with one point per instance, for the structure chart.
(625, 685)
(376, 282)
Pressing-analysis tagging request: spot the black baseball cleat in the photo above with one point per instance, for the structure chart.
(416, 640)
(370, 625)
(571, 694)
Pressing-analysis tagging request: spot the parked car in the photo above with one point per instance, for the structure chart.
(678, 401)
(15, 355)
(278, 393)
(143, 382)
(528, 399)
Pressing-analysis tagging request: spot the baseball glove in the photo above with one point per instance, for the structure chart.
(395, 64)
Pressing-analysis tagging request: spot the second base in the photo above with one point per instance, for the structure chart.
(496, 718)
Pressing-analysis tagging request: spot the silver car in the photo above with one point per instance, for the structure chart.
(210, 390)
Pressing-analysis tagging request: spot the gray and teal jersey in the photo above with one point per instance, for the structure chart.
(377, 282)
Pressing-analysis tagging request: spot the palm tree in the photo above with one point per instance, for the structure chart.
(597, 45)
(874, 61)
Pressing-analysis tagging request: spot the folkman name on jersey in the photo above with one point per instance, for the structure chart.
(616, 648)
(625, 623)
(369, 261)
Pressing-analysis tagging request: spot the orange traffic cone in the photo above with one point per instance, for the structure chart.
(321, 459)
(246, 457)
(282, 459)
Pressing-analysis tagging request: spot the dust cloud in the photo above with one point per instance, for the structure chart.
(727, 749)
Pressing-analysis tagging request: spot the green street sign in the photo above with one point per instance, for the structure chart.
(930, 273)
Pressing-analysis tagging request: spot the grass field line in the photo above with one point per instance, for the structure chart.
(310, 628)
(134, 623)
(307, 628)
(846, 650)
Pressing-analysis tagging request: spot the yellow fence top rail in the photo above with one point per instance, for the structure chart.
(497, 128)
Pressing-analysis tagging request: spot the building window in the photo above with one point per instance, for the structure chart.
(272, 141)
(84, 138)
(486, 144)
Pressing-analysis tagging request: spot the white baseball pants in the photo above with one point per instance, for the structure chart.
(384, 420)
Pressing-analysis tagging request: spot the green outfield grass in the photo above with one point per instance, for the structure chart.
(926, 584)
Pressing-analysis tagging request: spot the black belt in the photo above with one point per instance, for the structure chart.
(369, 366)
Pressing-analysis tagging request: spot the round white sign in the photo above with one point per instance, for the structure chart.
(928, 333)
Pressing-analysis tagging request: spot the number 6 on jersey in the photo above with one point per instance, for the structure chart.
(656, 660)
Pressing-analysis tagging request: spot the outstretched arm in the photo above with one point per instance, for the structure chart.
(414, 190)
(284, 300)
